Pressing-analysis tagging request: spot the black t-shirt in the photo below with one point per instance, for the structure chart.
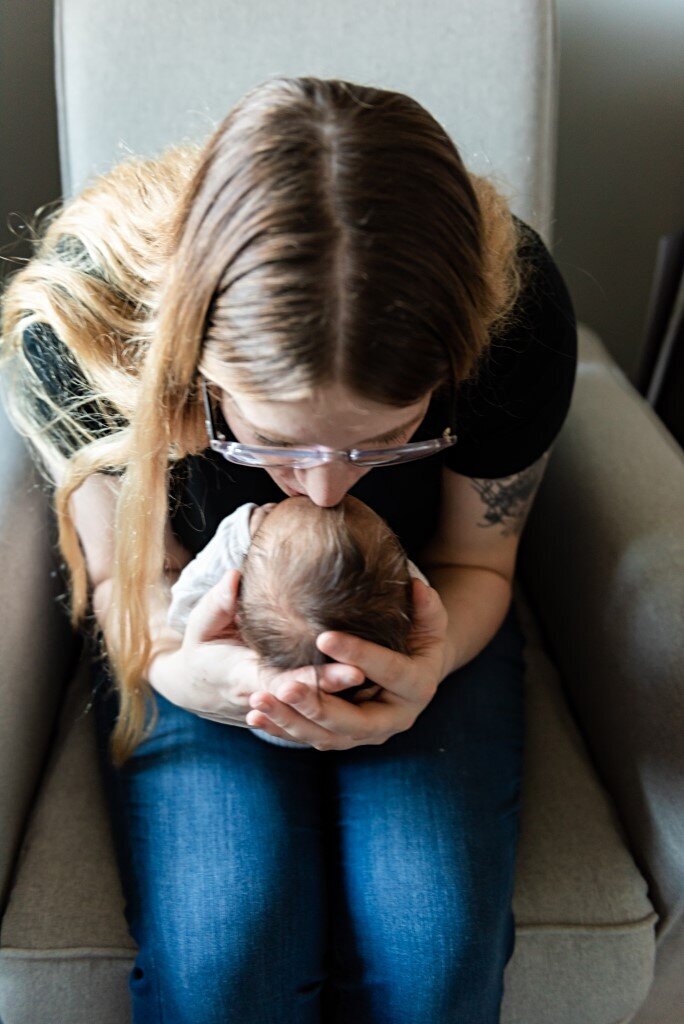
(505, 420)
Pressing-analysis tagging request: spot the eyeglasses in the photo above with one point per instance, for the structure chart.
(316, 455)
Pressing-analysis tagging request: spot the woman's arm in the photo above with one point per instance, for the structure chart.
(471, 559)
(476, 600)
(93, 507)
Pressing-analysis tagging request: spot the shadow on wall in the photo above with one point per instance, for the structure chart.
(29, 170)
(620, 159)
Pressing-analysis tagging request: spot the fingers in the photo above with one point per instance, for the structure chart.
(334, 677)
(257, 720)
(337, 678)
(379, 664)
(430, 618)
(429, 611)
(213, 617)
(361, 696)
(394, 672)
(320, 721)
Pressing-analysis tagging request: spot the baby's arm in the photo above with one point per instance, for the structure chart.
(226, 550)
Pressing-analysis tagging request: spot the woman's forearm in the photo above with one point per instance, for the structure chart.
(476, 600)
(161, 667)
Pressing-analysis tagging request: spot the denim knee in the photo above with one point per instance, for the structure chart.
(221, 856)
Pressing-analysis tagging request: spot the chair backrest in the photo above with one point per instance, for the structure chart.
(136, 77)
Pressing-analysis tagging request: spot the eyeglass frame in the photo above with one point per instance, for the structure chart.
(321, 453)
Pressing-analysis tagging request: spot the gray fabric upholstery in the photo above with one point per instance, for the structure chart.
(597, 589)
(603, 555)
(584, 921)
(37, 645)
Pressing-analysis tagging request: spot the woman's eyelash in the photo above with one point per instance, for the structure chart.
(273, 444)
(389, 439)
(397, 436)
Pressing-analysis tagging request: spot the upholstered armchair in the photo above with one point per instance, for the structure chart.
(598, 899)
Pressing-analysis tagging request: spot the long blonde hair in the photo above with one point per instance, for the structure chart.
(325, 230)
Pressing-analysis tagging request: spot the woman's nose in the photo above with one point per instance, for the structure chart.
(326, 485)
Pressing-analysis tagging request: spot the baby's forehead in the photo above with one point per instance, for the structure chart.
(300, 512)
(298, 523)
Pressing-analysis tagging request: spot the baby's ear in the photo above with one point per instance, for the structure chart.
(237, 622)
(238, 600)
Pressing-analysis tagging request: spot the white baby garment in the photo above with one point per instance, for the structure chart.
(226, 550)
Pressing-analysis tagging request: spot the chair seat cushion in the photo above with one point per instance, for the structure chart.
(585, 941)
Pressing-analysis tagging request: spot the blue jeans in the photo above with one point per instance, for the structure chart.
(365, 886)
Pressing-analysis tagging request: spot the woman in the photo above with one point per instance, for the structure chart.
(327, 271)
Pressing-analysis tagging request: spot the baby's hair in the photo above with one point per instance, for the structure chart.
(337, 569)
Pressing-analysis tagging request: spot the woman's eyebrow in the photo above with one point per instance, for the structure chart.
(369, 440)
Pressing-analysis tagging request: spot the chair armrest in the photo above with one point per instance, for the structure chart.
(38, 648)
(602, 562)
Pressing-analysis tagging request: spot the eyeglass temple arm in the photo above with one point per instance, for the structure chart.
(208, 414)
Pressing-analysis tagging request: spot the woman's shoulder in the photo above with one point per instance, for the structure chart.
(512, 409)
(544, 294)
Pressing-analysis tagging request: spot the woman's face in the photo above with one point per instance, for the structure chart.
(335, 417)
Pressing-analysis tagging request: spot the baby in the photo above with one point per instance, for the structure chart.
(305, 569)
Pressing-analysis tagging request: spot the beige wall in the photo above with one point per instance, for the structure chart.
(620, 156)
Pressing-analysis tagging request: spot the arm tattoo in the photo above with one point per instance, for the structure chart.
(509, 499)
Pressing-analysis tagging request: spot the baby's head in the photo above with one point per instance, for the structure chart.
(311, 569)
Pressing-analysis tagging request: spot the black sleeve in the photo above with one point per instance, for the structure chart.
(63, 381)
(513, 411)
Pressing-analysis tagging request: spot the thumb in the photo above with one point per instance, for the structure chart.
(429, 613)
(213, 617)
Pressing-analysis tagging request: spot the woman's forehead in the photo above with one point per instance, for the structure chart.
(332, 410)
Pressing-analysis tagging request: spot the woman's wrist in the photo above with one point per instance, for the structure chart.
(165, 670)
(477, 601)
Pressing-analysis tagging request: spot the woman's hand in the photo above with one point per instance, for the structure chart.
(297, 712)
(214, 674)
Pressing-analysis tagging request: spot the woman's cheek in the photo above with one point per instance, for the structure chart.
(282, 478)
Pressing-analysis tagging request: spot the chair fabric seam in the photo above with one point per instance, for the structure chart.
(119, 952)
